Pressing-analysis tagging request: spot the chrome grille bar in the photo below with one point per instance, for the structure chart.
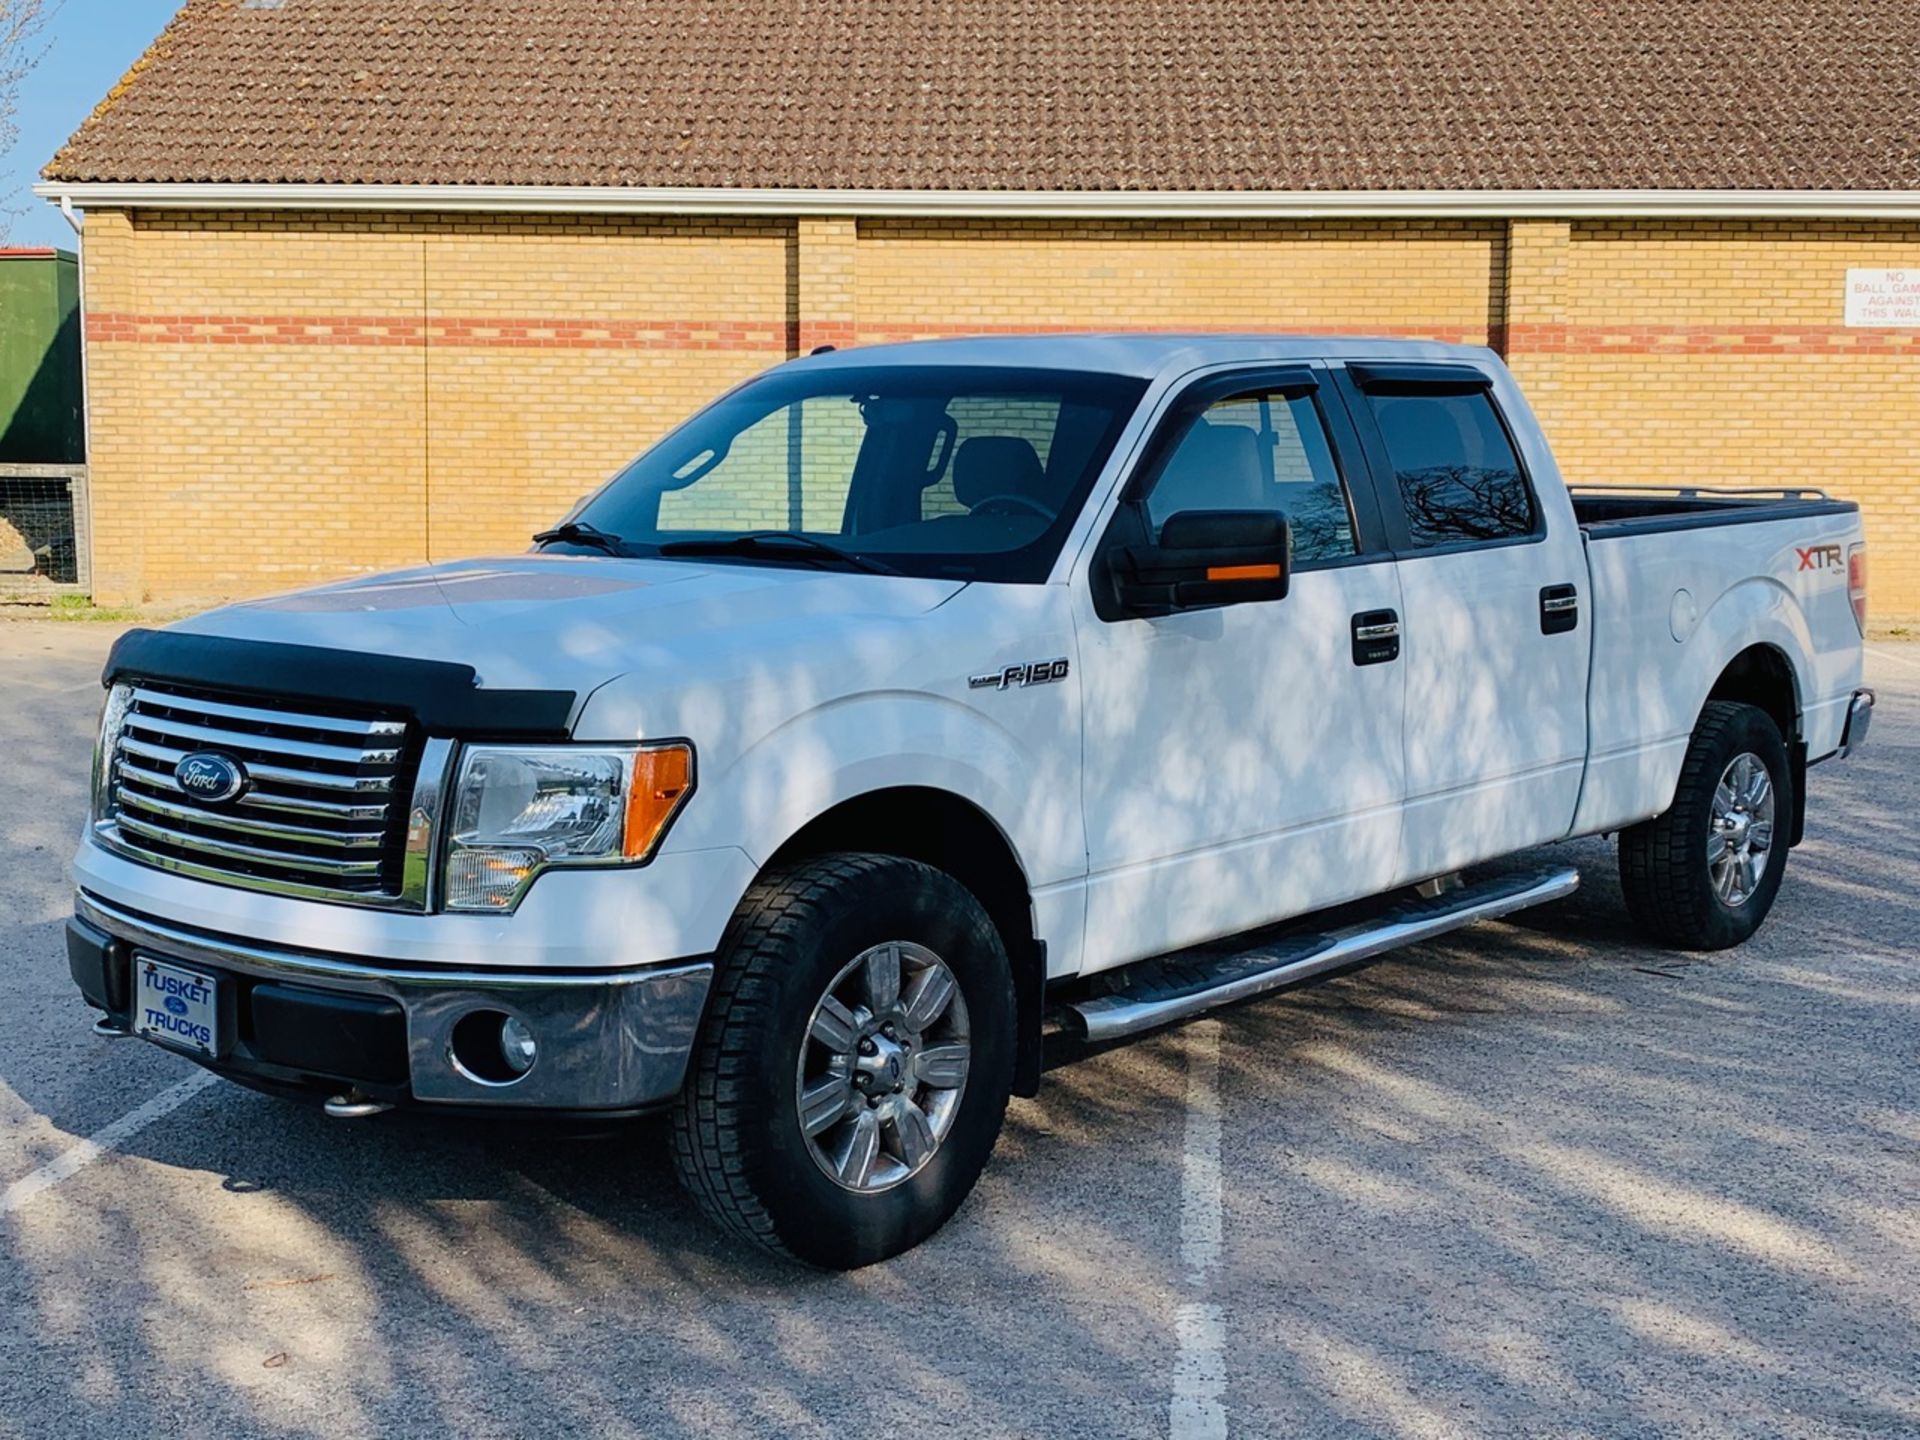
(274, 774)
(266, 829)
(255, 718)
(215, 737)
(253, 854)
(261, 800)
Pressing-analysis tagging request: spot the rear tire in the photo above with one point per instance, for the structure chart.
(1704, 875)
(903, 1097)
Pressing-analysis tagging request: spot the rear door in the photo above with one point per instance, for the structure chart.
(1495, 632)
(1243, 763)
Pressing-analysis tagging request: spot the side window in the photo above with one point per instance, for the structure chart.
(1458, 475)
(1260, 452)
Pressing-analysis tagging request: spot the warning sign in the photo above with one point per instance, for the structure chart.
(1883, 298)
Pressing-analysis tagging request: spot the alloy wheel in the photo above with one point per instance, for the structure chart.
(1740, 832)
(883, 1066)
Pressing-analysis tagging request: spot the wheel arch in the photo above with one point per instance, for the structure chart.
(952, 834)
(1763, 676)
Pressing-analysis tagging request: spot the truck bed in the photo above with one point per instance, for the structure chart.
(1646, 509)
(1685, 580)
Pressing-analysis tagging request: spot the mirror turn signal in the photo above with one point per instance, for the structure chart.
(1206, 558)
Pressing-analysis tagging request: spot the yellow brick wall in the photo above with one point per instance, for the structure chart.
(114, 433)
(933, 278)
(517, 433)
(1534, 291)
(1715, 353)
(280, 399)
(290, 399)
(322, 443)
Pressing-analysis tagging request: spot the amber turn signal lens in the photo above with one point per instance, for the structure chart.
(1243, 572)
(662, 778)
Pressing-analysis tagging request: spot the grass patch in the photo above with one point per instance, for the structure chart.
(79, 607)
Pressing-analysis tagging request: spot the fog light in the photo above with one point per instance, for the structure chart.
(517, 1045)
(491, 1047)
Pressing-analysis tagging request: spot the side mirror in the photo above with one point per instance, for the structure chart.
(1206, 558)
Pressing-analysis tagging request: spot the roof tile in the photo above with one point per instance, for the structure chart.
(1075, 95)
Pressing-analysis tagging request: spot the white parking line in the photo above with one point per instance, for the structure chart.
(1198, 1410)
(1897, 659)
(1200, 1160)
(103, 1141)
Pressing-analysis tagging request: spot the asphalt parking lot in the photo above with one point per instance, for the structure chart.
(1532, 1180)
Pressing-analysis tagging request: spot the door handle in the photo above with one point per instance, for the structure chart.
(1376, 637)
(1559, 609)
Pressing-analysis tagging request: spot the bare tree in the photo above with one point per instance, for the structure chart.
(1465, 502)
(21, 47)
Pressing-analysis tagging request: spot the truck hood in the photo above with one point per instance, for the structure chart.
(565, 621)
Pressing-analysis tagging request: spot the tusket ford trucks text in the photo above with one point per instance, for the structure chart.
(910, 702)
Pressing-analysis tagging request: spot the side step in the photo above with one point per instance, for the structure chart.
(1178, 987)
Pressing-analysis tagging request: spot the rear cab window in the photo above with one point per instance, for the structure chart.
(1454, 468)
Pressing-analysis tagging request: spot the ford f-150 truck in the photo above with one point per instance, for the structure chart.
(912, 706)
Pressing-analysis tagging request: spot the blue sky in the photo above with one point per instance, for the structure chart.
(89, 45)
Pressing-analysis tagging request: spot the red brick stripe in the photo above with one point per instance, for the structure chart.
(1703, 339)
(461, 331)
(577, 334)
(752, 335)
(880, 334)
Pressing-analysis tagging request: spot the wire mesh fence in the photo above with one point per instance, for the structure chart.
(43, 530)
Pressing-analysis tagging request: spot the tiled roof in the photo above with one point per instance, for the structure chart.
(1152, 95)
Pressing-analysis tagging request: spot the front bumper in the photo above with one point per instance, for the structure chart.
(610, 1041)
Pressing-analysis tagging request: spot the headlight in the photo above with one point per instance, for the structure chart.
(113, 719)
(520, 810)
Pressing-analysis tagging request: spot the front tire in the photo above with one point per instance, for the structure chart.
(851, 1075)
(1704, 875)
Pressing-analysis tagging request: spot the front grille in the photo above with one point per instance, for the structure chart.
(324, 813)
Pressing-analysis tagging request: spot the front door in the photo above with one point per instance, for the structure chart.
(1243, 763)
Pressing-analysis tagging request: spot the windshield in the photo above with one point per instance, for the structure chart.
(964, 472)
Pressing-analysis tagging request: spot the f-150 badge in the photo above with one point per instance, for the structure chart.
(1037, 672)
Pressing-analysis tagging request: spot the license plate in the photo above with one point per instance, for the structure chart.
(176, 1006)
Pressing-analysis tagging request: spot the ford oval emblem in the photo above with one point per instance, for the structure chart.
(209, 777)
(175, 1005)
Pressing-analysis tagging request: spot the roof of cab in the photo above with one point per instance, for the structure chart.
(1145, 356)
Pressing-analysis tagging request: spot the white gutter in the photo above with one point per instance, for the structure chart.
(1004, 204)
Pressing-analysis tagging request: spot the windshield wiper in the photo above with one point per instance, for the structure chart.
(578, 532)
(765, 542)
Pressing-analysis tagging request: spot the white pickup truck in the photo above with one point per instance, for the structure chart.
(910, 704)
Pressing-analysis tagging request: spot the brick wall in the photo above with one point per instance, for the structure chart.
(288, 399)
(280, 399)
(941, 278)
(1715, 353)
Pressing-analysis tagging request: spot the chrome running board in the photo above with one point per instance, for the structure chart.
(1159, 992)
